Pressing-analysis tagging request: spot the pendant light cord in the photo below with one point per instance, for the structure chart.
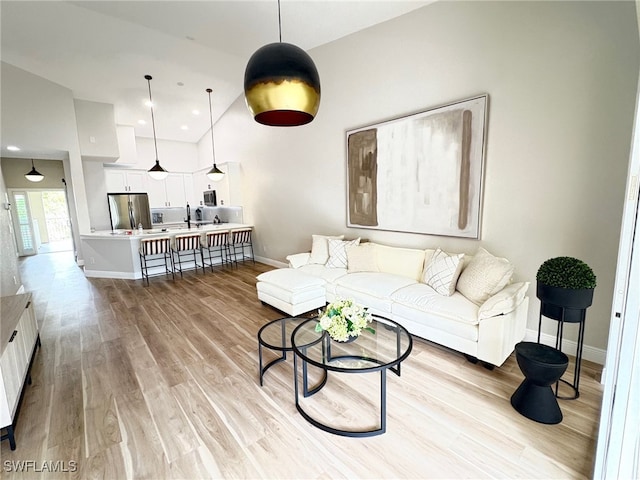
(279, 22)
(153, 121)
(213, 149)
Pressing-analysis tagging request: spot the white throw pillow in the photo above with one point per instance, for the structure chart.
(442, 272)
(320, 248)
(361, 258)
(338, 253)
(485, 276)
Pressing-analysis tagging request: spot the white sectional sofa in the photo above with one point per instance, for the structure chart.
(467, 303)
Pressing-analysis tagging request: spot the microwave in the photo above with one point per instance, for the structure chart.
(210, 198)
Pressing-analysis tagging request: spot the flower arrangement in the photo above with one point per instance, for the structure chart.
(343, 319)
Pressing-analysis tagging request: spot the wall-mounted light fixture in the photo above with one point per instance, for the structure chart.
(34, 175)
(156, 172)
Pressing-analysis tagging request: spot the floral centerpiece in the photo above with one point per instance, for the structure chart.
(343, 319)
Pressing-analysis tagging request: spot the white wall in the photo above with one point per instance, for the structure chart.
(10, 280)
(561, 79)
(96, 130)
(173, 156)
(39, 115)
(97, 203)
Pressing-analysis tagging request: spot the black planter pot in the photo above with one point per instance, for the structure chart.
(573, 301)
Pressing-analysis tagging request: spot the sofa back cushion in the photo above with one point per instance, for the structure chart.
(407, 262)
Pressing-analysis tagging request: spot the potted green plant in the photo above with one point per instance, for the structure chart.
(565, 283)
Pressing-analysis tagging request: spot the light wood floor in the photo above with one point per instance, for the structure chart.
(161, 382)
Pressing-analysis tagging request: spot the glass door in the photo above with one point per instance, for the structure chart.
(23, 224)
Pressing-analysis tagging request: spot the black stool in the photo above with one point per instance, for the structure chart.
(542, 366)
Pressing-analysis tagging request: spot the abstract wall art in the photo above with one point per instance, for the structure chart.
(421, 173)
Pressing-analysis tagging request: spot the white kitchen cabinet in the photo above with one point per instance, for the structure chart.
(170, 192)
(120, 181)
(18, 339)
(228, 190)
(176, 195)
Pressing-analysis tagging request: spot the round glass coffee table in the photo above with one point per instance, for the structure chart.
(276, 336)
(382, 351)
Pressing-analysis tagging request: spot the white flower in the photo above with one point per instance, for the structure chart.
(325, 322)
(344, 318)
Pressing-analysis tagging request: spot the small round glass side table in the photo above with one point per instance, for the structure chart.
(276, 335)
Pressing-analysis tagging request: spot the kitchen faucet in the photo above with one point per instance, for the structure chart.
(188, 220)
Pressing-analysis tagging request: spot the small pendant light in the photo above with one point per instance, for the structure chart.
(33, 175)
(281, 84)
(156, 172)
(215, 173)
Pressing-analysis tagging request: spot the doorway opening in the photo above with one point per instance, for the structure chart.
(41, 221)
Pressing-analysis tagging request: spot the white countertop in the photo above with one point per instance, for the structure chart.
(158, 232)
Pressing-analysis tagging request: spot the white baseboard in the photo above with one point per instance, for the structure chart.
(273, 263)
(593, 354)
(109, 274)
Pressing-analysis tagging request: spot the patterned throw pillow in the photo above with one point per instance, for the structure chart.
(338, 253)
(320, 249)
(442, 272)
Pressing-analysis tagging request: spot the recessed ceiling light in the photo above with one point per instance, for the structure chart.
(13, 148)
(142, 122)
(148, 103)
(195, 112)
(184, 127)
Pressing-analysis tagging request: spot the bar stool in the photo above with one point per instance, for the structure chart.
(239, 240)
(156, 249)
(216, 244)
(187, 246)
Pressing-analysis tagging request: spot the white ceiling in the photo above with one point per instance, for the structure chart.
(101, 50)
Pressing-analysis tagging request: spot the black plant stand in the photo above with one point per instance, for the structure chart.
(566, 315)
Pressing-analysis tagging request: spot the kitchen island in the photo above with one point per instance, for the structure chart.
(114, 253)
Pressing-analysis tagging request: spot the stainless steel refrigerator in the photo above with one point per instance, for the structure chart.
(128, 210)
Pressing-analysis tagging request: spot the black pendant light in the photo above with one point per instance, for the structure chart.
(215, 173)
(156, 172)
(33, 175)
(281, 84)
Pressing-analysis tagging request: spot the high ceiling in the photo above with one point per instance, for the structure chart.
(101, 50)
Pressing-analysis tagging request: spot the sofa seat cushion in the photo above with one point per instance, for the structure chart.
(420, 304)
(424, 298)
(373, 289)
(291, 279)
(325, 273)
